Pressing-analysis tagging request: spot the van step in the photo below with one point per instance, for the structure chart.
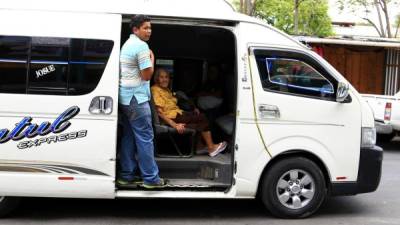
(198, 183)
(217, 169)
(182, 184)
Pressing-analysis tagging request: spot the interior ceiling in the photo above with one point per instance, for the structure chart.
(191, 42)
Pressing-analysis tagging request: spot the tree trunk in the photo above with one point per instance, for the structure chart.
(245, 6)
(296, 17)
(388, 25)
(374, 25)
(248, 7)
(252, 7)
(378, 10)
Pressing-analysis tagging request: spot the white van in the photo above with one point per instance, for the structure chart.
(297, 131)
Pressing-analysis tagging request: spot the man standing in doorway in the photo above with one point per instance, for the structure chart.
(136, 70)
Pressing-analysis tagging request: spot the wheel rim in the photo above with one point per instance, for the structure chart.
(295, 189)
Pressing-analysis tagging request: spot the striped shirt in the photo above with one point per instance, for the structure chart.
(134, 57)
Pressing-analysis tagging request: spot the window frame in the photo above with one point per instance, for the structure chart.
(301, 56)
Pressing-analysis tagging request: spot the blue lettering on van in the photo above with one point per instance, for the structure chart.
(52, 139)
(26, 129)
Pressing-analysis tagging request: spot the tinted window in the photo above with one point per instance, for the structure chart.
(295, 74)
(13, 64)
(55, 66)
(88, 61)
(48, 65)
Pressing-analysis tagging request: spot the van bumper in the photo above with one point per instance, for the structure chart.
(369, 174)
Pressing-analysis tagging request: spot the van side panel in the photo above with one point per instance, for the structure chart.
(76, 156)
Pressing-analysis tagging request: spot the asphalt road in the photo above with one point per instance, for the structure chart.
(380, 207)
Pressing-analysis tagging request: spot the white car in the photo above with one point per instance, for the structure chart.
(386, 113)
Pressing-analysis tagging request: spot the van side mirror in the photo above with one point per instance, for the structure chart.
(342, 91)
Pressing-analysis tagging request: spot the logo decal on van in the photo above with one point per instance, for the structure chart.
(47, 167)
(26, 129)
(44, 71)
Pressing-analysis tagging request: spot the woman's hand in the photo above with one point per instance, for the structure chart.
(196, 111)
(180, 127)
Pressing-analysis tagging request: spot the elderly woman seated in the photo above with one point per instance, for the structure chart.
(171, 114)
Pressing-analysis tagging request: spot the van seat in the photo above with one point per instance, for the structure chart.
(162, 130)
(226, 123)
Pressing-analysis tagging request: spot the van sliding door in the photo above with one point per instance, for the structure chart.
(59, 99)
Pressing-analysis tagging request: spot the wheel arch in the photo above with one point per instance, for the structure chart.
(297, 153)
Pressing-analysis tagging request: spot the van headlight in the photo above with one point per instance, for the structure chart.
(368, 137)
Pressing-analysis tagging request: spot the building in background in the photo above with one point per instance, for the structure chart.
(351, 29)
(371, 65)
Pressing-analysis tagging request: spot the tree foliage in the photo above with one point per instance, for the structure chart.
(312, 16)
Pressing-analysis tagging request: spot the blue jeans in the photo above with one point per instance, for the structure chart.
(137, 149)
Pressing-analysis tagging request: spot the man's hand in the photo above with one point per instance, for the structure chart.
(152, 57)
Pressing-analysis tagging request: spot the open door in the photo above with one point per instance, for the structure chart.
(59, 97)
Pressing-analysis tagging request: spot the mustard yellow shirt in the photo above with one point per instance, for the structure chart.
(165, 100)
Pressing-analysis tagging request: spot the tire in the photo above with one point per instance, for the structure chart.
(385, 137)
(8, 204)
(293, 188)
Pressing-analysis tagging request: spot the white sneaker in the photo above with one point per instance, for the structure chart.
(221, 147)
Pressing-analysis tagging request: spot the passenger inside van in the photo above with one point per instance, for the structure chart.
(170, 113)
(210, 96)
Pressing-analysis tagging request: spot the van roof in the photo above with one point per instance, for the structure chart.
(203, 9)
(191, 9)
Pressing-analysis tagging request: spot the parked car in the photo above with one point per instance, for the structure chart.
(386, 110)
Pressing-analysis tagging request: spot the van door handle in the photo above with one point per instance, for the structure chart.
(101, 105)
(268, 111)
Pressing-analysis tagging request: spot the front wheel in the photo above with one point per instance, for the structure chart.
(293, 188)
(7, 204)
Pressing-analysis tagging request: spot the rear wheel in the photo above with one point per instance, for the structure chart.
(7, 204)
(293, 188)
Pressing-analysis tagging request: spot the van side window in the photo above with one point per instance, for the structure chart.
(52, 66)
(48, 66)
(87, 63)
(294, 73)
(13, 64)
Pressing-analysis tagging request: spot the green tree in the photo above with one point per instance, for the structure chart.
(305, 17)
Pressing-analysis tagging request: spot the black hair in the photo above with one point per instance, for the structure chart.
(138, 20)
